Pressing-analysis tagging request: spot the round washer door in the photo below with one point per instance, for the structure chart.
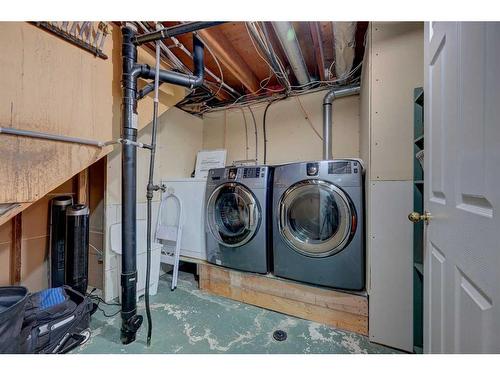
(233, 214)
(316, 218)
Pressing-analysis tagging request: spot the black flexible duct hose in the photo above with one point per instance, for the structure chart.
(264, 129)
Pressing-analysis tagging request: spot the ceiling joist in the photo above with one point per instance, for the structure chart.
(230, 58)
(318, 49)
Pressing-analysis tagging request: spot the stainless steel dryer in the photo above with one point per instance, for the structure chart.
(237, 225)
(318, 223)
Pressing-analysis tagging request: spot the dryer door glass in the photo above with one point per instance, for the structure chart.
(316, 218)
(233, 214)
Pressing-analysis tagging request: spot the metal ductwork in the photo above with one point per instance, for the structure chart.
(327, 116)
(288, 40)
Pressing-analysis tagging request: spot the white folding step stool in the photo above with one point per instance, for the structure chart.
(170, 234)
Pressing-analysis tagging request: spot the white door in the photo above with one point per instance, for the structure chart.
(462, 188)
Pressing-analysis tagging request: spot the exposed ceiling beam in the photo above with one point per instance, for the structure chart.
(230, 58)
(318, 49)
(174, 59)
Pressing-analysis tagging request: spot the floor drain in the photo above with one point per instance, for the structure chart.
(279, 335)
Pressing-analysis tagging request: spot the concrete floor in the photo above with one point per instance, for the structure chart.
(191, 321)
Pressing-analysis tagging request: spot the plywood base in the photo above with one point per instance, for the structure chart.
(337, 309)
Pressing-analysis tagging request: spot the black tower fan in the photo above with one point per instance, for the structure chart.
(77, 247)
(58, 207)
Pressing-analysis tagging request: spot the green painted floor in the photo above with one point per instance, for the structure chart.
(191, 321)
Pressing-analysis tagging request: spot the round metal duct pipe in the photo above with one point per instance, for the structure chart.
(327, 116)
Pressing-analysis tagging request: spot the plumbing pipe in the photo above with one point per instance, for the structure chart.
(170, 55)
(168, 32)
(64, 138)
(290, 44)
(186, 80)
(149, 88)
(181, 46)
(327, 116)
(151, 188)
(51, 137)
(131, 322)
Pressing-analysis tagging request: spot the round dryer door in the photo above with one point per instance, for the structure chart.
(233, 214)
(316, 218)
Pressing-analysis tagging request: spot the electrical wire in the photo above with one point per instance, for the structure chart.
(96, 249)
(297, 90)
(256, 136)
(100, 300)
(306, 116)
(246, 132)
(264, 128)
(278, 75)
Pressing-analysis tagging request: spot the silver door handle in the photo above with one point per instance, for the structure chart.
(282, 216)
(251, 219)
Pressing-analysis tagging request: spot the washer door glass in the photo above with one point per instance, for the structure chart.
(233, 214)
(316, 218)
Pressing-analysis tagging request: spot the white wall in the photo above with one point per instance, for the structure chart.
(179, 139)
(392, 68)
(290, 136)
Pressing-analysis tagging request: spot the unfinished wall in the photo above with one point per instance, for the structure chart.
(392, 68)
(49, 86)
(34, 242)
(58, 88)
(290, 136)
(35, 247)
(179, 139)
(96, 192)
(55, 87)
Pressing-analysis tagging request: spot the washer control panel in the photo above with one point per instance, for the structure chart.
(252, 172)
(250, 176)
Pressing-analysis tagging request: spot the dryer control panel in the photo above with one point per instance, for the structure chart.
(343, 167)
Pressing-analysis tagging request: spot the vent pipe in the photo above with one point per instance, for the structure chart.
(290, 44)
(327, 116)
(131, 321)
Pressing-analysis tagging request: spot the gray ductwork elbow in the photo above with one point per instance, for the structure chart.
(327, 116)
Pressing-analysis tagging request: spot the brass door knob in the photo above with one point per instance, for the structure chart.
(415, 217)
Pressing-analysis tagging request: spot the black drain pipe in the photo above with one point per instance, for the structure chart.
(130, 320)
(131, 72)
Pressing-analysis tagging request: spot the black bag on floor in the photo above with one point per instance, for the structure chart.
(56, 320)
(12, 302)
